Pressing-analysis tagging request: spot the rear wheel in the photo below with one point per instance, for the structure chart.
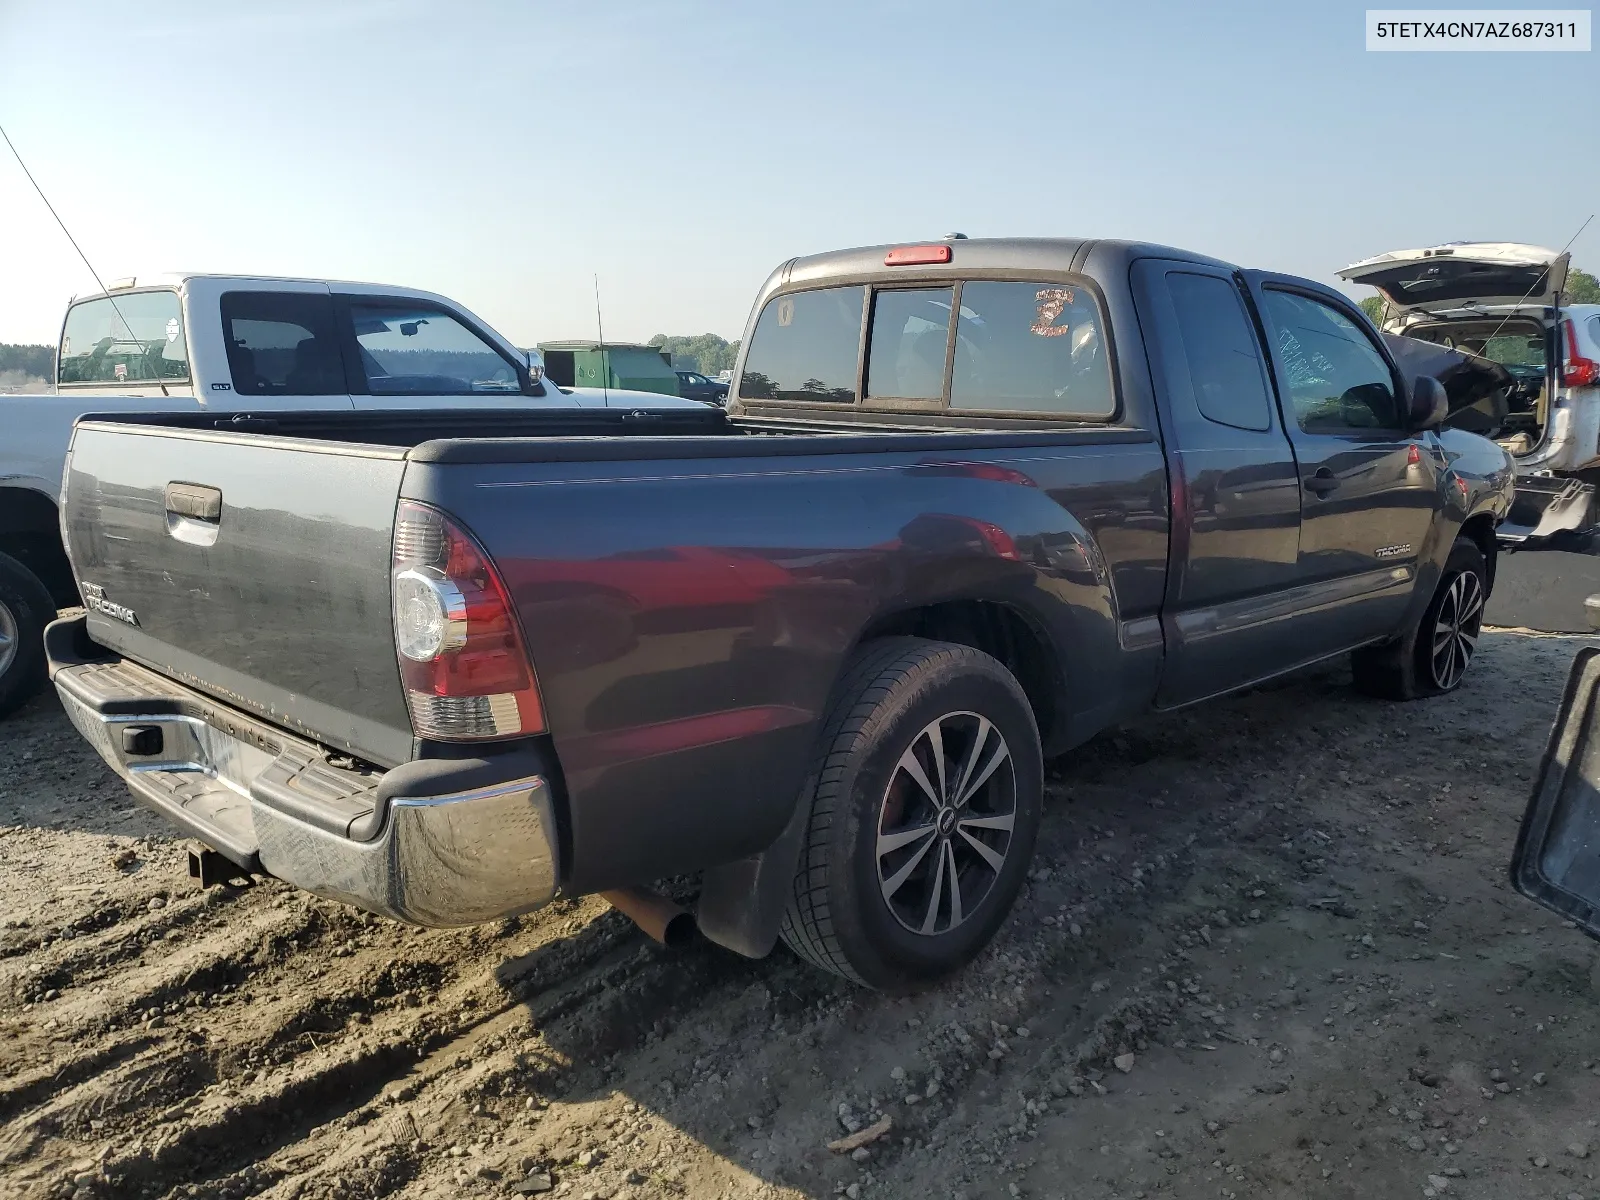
(1432, 658)
(925, 803)
(25, 609)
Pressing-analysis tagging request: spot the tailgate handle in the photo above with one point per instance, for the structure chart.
(195, 501)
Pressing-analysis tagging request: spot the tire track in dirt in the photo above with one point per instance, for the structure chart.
(295, 1030)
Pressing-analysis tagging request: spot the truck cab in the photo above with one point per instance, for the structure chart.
(230, 341)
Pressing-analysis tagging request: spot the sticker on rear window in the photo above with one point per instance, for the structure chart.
(786, 311)
(1051, 303)
(120, 371)
(172, 330)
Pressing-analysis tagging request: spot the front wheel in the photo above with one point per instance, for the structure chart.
(925, 800)
(1432, 658)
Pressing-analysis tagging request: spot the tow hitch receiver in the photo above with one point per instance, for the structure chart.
(211, 868)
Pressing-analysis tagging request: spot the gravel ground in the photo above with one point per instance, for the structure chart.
(1269, 950)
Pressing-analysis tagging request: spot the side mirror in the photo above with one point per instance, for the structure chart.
(535, 365)
(1430, 404)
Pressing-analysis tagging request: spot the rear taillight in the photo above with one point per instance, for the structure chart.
(465, 670)
(1577, 371)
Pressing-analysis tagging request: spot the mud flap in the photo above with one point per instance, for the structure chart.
(1546, 505)
(741, 903)
(1557, 859)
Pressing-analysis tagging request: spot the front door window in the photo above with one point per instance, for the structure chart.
(419, 351)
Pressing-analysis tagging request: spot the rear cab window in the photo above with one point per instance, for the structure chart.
(1024, 349)
(805, 347)
(1030, 349)
(910, 335)
(124, 338)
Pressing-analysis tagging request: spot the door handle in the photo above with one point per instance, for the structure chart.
(195, 501)
(1323, 482)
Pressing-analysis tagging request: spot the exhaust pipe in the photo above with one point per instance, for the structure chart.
(666, 922)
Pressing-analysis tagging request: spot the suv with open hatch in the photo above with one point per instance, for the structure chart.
(1504, 302)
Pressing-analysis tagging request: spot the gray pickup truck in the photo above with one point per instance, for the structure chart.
(970, 503)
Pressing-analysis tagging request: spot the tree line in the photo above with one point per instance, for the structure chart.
(27, 368)
(704, 352)
(28, 360)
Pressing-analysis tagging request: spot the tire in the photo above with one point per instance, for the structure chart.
(25, 609)
(1432, 658)
(892, 921)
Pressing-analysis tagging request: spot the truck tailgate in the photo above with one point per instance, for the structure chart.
(255, 569)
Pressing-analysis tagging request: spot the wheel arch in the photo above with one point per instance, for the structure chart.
(1479, 529)
(30, 532)
(741, 904)
(1005, 631)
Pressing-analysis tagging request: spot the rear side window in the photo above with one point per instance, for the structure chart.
(1033, 348)
(423, 351)
(910, 333)
(135, 337)
(805, 347)
(1220, 346)
(282, 344)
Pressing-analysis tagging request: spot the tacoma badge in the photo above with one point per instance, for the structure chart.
(94, 598)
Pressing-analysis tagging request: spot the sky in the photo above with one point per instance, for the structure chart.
(505, 153)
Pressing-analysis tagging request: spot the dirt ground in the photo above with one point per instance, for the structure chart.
(1290, 909)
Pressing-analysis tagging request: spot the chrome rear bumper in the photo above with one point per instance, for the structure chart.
(459, 859)
(273, 803)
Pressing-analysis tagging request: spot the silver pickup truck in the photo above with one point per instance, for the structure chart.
(224, 343)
